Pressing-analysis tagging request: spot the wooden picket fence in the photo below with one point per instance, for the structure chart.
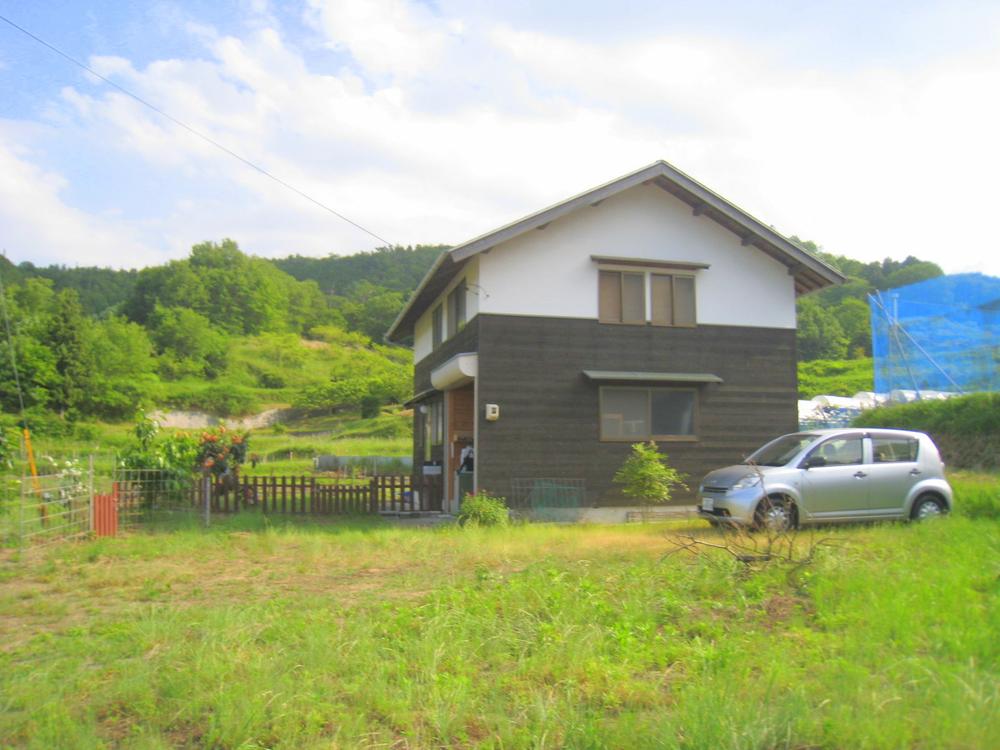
(290, 495)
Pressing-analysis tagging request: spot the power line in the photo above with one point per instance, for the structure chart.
(191, 130)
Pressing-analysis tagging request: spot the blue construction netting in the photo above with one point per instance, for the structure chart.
(938, 335)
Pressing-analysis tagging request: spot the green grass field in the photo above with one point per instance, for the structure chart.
(360, 634)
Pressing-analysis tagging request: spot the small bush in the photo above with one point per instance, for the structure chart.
(88, 432)
(646, 476)
(483, 509)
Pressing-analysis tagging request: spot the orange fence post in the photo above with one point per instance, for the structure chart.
(105, 515)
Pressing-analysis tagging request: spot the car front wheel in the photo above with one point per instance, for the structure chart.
(774, 514)
(926, 507)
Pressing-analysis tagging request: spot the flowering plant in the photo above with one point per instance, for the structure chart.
(221, 451)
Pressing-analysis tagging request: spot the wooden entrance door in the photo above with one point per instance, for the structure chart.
(460, 432)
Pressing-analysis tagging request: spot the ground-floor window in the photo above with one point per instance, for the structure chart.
(433, 425)
(648, 413)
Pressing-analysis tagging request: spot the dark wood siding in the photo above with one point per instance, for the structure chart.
(549, 427)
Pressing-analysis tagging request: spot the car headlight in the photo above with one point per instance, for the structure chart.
(749, 480)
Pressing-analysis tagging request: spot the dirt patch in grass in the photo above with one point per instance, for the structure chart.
(53, 602)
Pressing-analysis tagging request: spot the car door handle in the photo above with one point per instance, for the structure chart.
(859, 475)
(914, 472)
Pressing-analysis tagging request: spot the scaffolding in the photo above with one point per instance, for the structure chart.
(937, 338)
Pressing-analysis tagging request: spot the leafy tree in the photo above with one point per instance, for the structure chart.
(646, 476)
(66, 337)
(855, 320)
(188, 343)
(398, 268)
(124, 376)
(819, 335)
(371, 309)
(238, 293)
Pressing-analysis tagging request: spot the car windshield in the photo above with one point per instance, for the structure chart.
(779, 452)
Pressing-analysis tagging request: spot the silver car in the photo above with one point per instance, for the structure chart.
(830, 475)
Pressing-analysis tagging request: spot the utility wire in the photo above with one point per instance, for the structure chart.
(191, 130)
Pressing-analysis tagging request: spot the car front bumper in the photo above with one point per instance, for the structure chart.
(731, 506)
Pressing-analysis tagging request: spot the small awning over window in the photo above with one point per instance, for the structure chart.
(420, 397)
(652, 377)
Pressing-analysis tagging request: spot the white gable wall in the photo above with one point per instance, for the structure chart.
(422, 334)
(549, 271)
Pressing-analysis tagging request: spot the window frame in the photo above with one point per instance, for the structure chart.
(814, 451)
(912, 442)
(435, 415)
(457, 306)
(647, 295)
(649, 389)
(673, 300)
(437, 326)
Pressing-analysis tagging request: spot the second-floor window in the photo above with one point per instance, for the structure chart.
(623, 295)
(456, 309)
(437, 327)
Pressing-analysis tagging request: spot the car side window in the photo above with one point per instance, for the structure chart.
(841, 451)
(891, 450)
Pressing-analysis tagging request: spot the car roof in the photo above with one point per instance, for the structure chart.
(828, 431)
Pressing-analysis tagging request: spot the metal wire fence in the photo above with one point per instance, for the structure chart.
(41, 510)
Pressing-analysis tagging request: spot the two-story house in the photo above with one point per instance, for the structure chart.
(646, 308)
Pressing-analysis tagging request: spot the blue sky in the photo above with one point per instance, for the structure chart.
(867, 127)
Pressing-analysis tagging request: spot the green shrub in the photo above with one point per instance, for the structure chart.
(483, 509)
(88, 432)
(646, 475)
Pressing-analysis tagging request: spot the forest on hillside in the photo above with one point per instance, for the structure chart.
(229, 333)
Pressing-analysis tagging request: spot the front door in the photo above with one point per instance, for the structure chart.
(835, 484)
(460, 431)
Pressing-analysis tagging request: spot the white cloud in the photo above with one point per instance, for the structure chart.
(37, 224)
(393, 37)
(872, 163)
(448, 127)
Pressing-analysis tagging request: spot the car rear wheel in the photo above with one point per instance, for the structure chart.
(774, 514)
(927, 506)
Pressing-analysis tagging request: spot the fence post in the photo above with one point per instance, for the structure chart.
(20, 518)
(206, 491)
(91, 491)
(373, 496)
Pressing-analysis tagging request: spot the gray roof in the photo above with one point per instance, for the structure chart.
(810, 272)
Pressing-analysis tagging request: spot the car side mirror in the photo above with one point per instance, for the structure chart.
(813, 461)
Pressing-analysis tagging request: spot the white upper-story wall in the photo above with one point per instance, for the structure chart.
(549, 272)
(422, 335)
